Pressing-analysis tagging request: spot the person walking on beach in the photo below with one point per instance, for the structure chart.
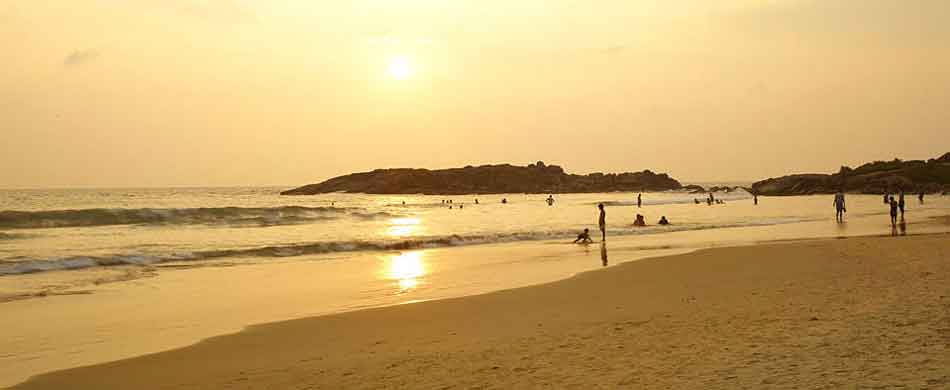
(755, 199)
(920, 197)
(639, 200)
(550, 200)
(893, 212)
(602, 222)
(839, 207)
(900, 203)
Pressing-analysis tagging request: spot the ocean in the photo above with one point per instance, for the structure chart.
(56, 230)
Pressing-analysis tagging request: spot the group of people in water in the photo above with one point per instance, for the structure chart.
(710, 200)
(640, 221)
(896, 206)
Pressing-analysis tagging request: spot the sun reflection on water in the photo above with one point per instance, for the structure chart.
(407, 268)
(401, 227)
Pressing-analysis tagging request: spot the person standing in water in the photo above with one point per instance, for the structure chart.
(602, 222)
(893, 212)
(755, 199)
(839, 207)
(550, 200)
(639, 200)
(900, 203)
(920, 197)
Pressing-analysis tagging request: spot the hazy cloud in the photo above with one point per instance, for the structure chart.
(228, 11)
(79, 57)
(7, 12)
(889, 19)
(613, 49)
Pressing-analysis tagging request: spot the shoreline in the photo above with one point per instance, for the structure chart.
(150, 360)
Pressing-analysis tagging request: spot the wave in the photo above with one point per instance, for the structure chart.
(11, 236)
(250, 216)
(732, 196)
(16, 266)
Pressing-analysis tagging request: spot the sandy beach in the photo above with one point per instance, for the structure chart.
(865, 312)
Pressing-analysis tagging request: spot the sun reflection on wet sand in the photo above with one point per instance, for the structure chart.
(407, 268)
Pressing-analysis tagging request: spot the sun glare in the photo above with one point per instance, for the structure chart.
(406, 269)
(400, 68)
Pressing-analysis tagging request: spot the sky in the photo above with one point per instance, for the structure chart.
(119, 93)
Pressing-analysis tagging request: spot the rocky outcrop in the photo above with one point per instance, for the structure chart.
(931, 176)
(488, 179)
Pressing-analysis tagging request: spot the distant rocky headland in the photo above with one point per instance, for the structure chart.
(488, 179)
(931, 176)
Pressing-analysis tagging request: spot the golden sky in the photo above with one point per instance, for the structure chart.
(255, 92)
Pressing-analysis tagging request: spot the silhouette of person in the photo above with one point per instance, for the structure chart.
(584, 237)
(663, 221)
(893, 212)
(550, 200)
(639, 200)
(900, 203)
(602, 222)
(476, 200)
(920, 197)
(755, 199)
(639, 221)
(504, 200)
(603, 253)
(840, 208)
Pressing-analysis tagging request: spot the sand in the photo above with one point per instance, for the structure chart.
(869, 312)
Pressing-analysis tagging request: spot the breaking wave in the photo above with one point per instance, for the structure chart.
(16, 266)
(250, 216)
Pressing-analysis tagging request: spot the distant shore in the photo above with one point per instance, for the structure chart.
(865, 312)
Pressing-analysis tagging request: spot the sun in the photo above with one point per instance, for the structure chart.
(400, 68)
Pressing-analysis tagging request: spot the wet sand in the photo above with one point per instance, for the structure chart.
(832, 313)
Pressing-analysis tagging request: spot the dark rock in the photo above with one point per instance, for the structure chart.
(932, 176)
(488, 179)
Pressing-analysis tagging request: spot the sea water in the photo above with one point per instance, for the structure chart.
(56, 230)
